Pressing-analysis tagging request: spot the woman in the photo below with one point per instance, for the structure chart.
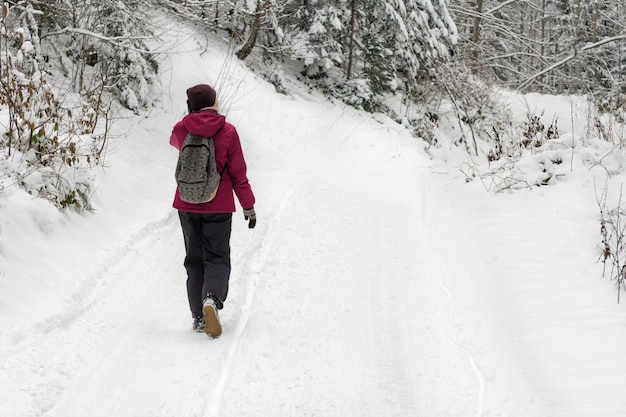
(207, 226)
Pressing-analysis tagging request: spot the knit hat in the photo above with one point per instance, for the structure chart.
(200, 96)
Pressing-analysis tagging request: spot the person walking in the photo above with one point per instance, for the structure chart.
(206, 227)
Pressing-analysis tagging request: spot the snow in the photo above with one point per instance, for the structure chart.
(376, 283)
(27, 47)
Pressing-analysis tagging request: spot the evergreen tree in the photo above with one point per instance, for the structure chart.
(373, 46)
(402, 38)
(378, 41)
(314, 32)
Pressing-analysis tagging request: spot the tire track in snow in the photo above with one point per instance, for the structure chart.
(480, 375)
(91, 284)
(482, 381)
(255, 269)
(58, 361)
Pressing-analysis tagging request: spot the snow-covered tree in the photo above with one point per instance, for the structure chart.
(385, 43)
(98, 42)
(313, 33)
(49, 140)
(547, 45)
(58, 61)
(371, 47)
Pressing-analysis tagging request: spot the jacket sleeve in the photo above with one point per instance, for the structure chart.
(237, 171)
(178, 135)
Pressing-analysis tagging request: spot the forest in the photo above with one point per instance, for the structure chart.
(439, 188)
(67, 64)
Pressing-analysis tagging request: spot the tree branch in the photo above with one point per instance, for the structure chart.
(585, 48)
(93, 35)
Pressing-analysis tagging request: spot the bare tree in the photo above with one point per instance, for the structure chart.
(554, 45)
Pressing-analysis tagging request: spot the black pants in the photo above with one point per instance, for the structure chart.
(207, 242)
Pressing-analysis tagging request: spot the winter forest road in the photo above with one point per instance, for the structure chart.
(337, 306)
(333, 311)
(375, 283)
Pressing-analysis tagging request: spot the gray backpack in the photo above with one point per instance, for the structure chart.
(196, 172)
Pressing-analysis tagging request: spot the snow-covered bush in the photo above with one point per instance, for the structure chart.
(90, 51)
(535, 153)
(613, 232)
(102, 44)
(525, 155)
(358, 94)
(450, 95)
(48, 144)
(607, 125)
(425, 128)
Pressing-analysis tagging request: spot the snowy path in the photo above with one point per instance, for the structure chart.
(374, 284)
(331, 313)
(335, 306)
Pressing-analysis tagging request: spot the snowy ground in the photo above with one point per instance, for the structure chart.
(377, 282)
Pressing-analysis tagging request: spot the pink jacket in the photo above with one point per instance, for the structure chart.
(228, 157)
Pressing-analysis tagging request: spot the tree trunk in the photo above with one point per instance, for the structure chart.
(247, 47)
(595, 20)
(543, 28)
(476, 27)
(351, 44)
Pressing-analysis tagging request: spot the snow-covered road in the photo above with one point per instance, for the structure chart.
(334, 310)
(375, 283)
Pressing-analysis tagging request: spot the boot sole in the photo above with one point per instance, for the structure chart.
(212, 326)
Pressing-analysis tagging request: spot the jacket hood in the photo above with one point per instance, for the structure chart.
(205, 123)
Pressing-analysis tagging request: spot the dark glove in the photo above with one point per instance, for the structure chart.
(250, 215)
